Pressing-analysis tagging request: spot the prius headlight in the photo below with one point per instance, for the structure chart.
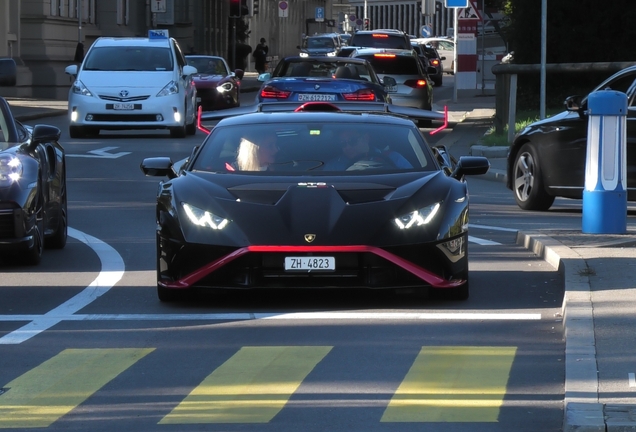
(80, 89)
(170, 89)
(418, 217)
(331, 54)
(10, 170)
(204, 218)
(304, 54)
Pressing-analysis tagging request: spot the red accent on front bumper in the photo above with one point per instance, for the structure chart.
(431, 278)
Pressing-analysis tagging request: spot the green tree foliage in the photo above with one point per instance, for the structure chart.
(578, 31)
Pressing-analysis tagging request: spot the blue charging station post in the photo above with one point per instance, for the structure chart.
(605, 193)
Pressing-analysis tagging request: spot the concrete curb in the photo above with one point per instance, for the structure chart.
(581, 412)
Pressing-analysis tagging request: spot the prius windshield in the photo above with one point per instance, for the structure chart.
(129, 58)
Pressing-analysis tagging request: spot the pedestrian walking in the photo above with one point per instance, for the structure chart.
(260, 56)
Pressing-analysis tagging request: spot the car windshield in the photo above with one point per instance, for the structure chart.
(379, 40)
(318, 43)
(129, 58)
(208, 65)
(314, 148)
(392, 64)
(331, 69)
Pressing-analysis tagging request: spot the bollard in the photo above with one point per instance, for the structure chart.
(605, 193)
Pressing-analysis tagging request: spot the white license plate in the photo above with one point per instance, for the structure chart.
(315, 97)
(124, 106)
(391, 89)
(310, 263)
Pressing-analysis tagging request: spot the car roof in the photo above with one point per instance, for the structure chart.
(131, 41)
(397, 52)
(302, 117)
(203, 56)
(325, 59)
(392, 31)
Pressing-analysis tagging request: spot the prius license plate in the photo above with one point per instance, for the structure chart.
(310, 263)
(316, 97)
(124, 106)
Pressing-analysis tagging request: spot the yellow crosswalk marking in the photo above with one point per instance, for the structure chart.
(44, 394)
(251, 387)
(453, 384)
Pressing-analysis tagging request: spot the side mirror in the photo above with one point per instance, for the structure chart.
(158, 167)
(44, 133)
(239, 73)
(71, 70)
(389, 81)
(573, 103)
(298, 46)
(443, 58)
(8, 72)
(189, 70)
(264, 77)
(470, 165)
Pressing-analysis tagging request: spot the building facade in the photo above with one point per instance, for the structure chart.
(45, 36)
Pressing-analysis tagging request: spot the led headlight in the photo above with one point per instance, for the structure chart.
(331, 54)
(170, 89)
(10, 170)
(225, 87)
(303, 54)
(417, 217)
(204, 218)
(80, 89)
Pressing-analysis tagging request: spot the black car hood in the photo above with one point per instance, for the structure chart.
(337, 210)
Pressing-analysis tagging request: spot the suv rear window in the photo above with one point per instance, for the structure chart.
(379, 40)
(393, 65)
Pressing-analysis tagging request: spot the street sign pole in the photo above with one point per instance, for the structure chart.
(455, 23)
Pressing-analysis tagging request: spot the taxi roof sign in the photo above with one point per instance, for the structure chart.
(158, 34)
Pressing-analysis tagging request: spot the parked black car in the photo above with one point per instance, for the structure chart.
(547, 159)
(33, 201)
(432, 60)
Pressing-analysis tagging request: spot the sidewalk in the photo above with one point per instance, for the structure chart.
(599, 306)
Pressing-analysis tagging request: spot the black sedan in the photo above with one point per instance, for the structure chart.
(217, 87)
(33, 201)
(547, 159)
(320, 197)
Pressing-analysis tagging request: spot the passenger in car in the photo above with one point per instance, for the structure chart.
(356, 147)
(252, 156)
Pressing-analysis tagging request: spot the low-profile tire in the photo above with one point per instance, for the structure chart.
(76, 131)
(191, 129)
(178, 131)
(33, 255)
(527, 180)
(58, 239)
(168, 295)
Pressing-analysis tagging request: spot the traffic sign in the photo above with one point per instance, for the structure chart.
(158, 6)
(426, 31)
(352, 17)
(469, 12)
(283, 9)
(320, 14)
(455, 3)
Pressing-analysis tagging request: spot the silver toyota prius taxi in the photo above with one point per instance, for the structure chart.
(133, 83)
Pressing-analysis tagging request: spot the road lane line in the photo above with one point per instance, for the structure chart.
(482, 242)
(250, 316)
(44, 394)
(453, 384)
(251, 387)
(493, 228)
(631, 379)
(112, 271)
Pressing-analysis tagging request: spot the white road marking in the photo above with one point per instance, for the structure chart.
(111, 272)
(102, 153)
(482, 242)
(632, 379)
(248, 316)
(494, 228)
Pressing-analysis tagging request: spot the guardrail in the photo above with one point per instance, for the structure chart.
(506, 85)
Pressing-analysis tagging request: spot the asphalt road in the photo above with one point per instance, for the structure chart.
(86, 345)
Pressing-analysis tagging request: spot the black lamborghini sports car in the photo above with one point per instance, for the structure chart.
(320, 197)
(33, 202)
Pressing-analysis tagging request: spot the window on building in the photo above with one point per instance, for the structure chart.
(123, 12)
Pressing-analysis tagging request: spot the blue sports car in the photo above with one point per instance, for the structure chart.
(323, 79)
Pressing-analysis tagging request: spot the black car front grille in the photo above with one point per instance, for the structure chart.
(124, 117)
(7, 224)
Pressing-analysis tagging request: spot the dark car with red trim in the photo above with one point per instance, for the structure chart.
(323, 79)
(312, 212)
(217, 87)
